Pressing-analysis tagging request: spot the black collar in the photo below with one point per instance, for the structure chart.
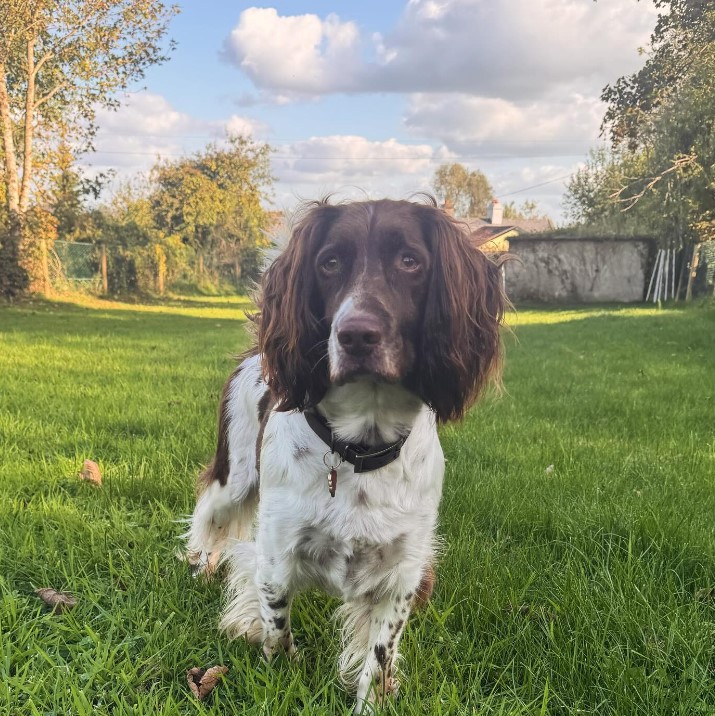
(365, 459)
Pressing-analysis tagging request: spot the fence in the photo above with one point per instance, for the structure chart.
(701, 270)
(77, 264)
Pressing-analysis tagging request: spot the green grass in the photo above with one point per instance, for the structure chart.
(568, 591)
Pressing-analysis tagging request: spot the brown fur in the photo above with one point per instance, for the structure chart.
(265, 406)
(455, 350)
(218, 468)
(461, 347)
(425, 587)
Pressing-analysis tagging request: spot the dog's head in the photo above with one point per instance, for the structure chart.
(390, 291)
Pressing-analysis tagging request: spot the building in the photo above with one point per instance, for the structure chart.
(492, 233)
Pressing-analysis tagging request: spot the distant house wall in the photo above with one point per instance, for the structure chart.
(500, 244)
(578, 270)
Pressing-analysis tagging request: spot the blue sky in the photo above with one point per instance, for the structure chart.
(371, 97)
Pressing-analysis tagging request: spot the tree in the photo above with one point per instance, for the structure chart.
(658, 174)
(468, 192)
(528, 210)
(68, 191)
(59, 61)
(213, 200)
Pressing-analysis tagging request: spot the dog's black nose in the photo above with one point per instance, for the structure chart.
(359, 335)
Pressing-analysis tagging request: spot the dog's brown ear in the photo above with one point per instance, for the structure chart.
(292, 336)
(461, 348)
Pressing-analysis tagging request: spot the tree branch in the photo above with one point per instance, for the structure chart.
(51, 94)
(631, 201)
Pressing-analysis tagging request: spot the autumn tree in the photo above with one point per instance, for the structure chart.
(60, 60)
(469, 192)
(215, 201)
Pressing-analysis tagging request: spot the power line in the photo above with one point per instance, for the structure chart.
(407, 141)
(345, 157)
(536, 186)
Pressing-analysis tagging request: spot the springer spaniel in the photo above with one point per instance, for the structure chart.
(377, 322)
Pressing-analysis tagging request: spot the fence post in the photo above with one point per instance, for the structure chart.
(45, 268)
(694, 261)
(103, 264)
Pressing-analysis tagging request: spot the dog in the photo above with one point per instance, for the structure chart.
(377, 322)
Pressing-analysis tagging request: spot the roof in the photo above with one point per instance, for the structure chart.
(524, 226)
(488, 232)
(571, 237)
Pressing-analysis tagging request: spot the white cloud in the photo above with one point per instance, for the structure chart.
(514, 49)
(483, 127)
(346, 158)
(146, 127)
(351, 167)
(299, 54)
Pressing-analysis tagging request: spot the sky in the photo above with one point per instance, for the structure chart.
(369, 98)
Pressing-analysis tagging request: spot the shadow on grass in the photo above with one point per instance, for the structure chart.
(58, 319)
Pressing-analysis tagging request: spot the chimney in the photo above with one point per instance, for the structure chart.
(495, 212)
(448, 207)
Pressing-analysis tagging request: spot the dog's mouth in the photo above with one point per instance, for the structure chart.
(375, 368)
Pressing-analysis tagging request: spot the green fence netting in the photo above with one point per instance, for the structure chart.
(73, 263)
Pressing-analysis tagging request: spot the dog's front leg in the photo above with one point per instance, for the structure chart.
(275, 602)
(378, 628)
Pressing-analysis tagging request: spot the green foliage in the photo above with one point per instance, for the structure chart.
(529, 209)
(198, 220)
(213, 200)
(469, 193)
(68, 191)
(659, 174)
(584, 589)
(59, 63)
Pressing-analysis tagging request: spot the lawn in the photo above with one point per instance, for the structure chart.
(578, 575)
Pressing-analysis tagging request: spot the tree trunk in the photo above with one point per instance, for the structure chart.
(29, 128)
(13, 277)
(11, 180)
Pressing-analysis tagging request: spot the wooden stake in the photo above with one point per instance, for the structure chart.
(103, 265)
(45, 268)
(694, 261)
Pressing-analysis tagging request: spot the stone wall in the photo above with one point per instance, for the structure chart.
(577, 270)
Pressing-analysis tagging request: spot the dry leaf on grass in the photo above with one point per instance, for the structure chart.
(203, 681)
(707, 594)
(90, 472)
(59, 601)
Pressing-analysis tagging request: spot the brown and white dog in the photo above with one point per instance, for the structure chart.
(378, 321)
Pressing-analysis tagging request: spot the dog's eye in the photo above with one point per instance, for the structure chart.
(408, 262)
(330, 265)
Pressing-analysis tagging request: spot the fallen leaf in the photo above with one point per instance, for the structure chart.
(90, 472)
(707, 594)
(203, 681)
(59, 601)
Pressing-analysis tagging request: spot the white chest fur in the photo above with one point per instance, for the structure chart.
(352, 543)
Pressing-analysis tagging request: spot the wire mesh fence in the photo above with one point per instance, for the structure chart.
(707, 259)
(73, 265)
